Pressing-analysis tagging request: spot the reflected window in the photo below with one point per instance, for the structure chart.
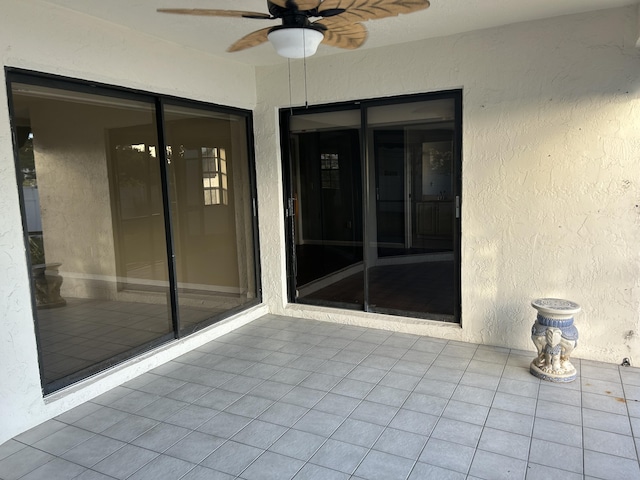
(214, 176)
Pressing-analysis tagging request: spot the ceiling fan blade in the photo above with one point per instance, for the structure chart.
(361, 10)
(216, 13)
(343, 35)
(253, 39)
(301, 5)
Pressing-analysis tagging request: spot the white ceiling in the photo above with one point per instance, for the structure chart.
(214, 34)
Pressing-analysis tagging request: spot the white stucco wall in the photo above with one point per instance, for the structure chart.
(551, 172)
(37, 36)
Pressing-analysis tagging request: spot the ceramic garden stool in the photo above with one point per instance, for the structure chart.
(555, 337)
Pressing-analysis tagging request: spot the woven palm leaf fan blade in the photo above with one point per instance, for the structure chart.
(343, 35)
(362, 10)
(216, 13)
(252, 40)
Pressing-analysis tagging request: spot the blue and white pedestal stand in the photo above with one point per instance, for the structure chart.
(555, 337)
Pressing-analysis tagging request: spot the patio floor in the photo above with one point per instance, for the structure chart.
(287, 398)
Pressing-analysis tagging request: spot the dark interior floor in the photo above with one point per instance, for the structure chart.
(421, 289)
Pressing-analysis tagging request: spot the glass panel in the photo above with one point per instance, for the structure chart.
(327, 194)
(91, 186)
(411, 208)
(213, 239)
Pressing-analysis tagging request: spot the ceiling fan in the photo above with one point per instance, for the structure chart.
(299, 35)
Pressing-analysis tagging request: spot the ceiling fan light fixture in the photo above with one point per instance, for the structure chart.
(295, 42)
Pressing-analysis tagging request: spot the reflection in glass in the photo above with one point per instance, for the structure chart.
(210, 196)
(90, 184)
(327, 194)
(410, 261)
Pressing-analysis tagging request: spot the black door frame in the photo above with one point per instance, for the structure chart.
(363, 106)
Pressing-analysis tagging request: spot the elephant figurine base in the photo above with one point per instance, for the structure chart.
(555, 338)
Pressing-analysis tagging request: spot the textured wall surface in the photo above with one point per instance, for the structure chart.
(551, 172)
(38, 37)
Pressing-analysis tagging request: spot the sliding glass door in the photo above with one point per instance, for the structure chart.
(138, 214)
(374, 195)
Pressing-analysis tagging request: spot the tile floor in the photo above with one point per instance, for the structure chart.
(286, 398)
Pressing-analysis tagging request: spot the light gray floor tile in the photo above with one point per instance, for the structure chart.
(303, 397)
(338, 455)
(224, 425)
(444, 373)
(374, 413)
(352, 388)
(420, 402)
(271, 390)
(358, 432)
(401, 443)
(505, 443)
(542, 472)
(466, 412)
(337, 404)
(609, 422)
(218, 399)
(134, 401)
(457, 432)
(298, 444)
(410, 368)
(9, 448)
(558, 432)
(291, 376)
(161, 437)
(478, 396)
(195, 447)
(559, 412)
(161, 409)
(316, 472)
(241, 384)
(78, 412)
(190, 392)
(320, 423)
(92, 475)
(232, 458)
(125, 461)
(480, 380)
(605, 403)
(510, 421)
(559, 394)
(22, 462)
(388, 395)
(400, 380)
(486, 369)
(514, 403)
(57, 469)
(101, 419)
(93, 450)
(451, 456)
(164, 467)
(610, 443)
(609, 467)
(518, 387)
(63, 440)
(423, 471)
(259, 434)
(284, 414)
(384, 466)
(272, 466)
(192, 416)
(414, 422)
(320, 381)
(378, 362)
(556, 455)
(497, 467)
(437, 388)
(602, 387)
(249, 406)
(129, 428)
